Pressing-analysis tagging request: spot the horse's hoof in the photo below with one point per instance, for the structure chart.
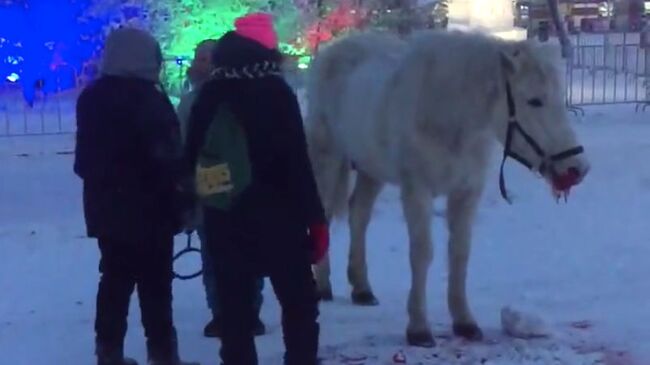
(366, 299)
(326, 295)
(420, 339)
(470, 331)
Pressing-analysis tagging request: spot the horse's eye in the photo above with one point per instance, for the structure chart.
(535, 103)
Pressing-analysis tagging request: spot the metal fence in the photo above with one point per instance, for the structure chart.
(51, 113)
(53, 110)
(611, 68)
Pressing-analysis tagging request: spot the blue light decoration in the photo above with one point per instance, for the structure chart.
(43, 45)
(46, 44)
(11, 26)
(13, 77)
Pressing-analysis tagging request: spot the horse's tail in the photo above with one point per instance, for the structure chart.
(331, 167)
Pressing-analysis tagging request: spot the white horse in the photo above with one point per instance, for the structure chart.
(423, 114)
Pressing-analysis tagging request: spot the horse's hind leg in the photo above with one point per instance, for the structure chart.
(332, 177)
(363, 198)
(417, 203)
(461, 208)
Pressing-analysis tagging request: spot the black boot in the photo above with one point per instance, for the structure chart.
(165, 353)
(112, 355)
(212, 329)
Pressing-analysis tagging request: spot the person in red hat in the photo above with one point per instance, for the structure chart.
(199, 73)
(261, 211)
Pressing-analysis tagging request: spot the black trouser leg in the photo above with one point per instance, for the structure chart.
(154, 284)
(113, 296)
(295, 288)
(236, 282)
(236, 293)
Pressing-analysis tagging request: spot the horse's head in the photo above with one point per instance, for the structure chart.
(536, 131)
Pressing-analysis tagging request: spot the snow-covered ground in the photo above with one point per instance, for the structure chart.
(583, 267)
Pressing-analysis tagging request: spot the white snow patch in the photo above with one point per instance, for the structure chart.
(519, 324)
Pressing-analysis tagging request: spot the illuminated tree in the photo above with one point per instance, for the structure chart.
(181, 24)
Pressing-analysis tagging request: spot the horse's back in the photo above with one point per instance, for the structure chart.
(328, 74)
(346, 87)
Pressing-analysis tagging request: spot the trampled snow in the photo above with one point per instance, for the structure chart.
(582, 267)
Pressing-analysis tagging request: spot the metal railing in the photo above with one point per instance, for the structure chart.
(607, 69)
(53, 111)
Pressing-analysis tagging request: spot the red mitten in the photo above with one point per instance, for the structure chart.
(319, 235)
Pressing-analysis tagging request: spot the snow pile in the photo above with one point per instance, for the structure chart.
(522, 325)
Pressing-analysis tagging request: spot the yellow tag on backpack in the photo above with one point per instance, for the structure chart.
(213, 180)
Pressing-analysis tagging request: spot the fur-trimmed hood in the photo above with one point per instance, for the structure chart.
(237, 57)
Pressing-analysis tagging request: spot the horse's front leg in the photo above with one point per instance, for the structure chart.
(461, 209)
(363, 198)
(417, 202)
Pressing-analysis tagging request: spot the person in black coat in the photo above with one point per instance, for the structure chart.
(129, 155)
(199, 72)
(274, 226)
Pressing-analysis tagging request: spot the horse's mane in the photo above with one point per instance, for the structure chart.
(481, 51)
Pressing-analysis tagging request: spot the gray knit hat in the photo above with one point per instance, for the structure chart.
(131, 52)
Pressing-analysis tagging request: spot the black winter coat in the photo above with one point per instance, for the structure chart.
(129, 156)
(282, 200)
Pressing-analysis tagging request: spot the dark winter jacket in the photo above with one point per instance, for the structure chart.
(128, 151)
(282, 199)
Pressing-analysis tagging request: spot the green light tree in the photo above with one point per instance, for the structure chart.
(179, 25)
(185, 23)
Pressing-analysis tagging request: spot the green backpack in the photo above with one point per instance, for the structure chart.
(223, 169)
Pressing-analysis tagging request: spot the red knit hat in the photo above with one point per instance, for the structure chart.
(258, 27)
